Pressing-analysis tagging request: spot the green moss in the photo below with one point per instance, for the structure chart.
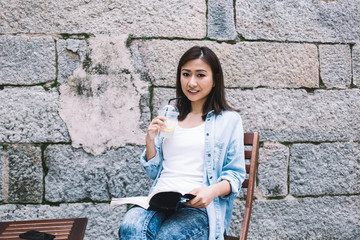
(151, 91)
(129, 40)
(45, 168)
(76, 35)
(87, 62)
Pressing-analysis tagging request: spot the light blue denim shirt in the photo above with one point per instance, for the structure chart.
(224, 160)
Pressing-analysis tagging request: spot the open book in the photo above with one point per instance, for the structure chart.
(158, 201)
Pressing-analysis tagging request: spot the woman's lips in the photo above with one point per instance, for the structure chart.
(193, 92)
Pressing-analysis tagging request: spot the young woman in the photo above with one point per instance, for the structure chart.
(204, 157)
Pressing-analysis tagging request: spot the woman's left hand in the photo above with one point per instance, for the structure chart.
(204, 196)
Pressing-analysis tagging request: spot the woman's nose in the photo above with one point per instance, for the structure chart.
(192, 82)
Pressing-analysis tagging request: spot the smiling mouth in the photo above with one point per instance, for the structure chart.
(193, 91)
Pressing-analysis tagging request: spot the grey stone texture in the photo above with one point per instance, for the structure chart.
(71, 55)
(26, 187)
(272, 170)
(30, 114)
(289, 115)
(74, 175)
(325, 169)
(2, 175)
(245, 64)
(185, 19)
(356, 64)
(161, 97)
(335, 65)
(81, 80)
(221, 25)
(103, 222)
(26, 60)
(299, 20)
(305, 218)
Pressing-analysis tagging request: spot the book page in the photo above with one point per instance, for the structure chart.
(140, 201)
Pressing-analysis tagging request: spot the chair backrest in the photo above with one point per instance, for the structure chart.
(251, 157)
(250, 139)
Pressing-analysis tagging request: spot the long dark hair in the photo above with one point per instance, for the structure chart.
(216, 99)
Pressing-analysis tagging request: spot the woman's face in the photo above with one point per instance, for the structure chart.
(196, 81)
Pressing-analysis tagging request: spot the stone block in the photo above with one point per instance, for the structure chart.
(185, 19)
(306, 218)
(30, 114)
(245, 64)
(26, 60)
(75, 175)
(356, 64)
(325, 169)
(71, 55)
(161, 96)
(294, 20)
(103, 222)
(25, 174)
(221, 24)
(2, 177)
(297, 116)
(335, 65)
(273, 170)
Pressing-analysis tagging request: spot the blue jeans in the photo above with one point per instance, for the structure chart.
(186, 223)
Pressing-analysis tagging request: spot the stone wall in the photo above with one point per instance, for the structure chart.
(81, 80)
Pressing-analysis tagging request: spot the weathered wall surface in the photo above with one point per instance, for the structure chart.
(81, 80)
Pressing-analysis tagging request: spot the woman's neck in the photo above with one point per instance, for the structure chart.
(196, 108)
(193, 119)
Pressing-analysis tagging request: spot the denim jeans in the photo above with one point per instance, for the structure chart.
(185, 223)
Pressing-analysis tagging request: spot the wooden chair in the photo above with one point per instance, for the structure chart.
(64, 229)
(250, 139)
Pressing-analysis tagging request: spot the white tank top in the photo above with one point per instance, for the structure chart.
(183, 165)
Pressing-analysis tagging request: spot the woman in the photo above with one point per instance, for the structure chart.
(204, 157)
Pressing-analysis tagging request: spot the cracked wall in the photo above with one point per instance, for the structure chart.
(80, 82)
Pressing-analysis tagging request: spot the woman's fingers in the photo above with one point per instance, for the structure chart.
(155, 125)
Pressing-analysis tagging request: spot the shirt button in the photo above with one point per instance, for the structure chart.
(207, 134)
(211, 177)
(209, 155)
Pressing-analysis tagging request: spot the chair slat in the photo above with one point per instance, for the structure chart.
(230, 238)
(247, 168)
(248, 154)
(250, 139)
(245, 183)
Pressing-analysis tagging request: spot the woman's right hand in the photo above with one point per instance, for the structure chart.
(152, 131)
(154, 127)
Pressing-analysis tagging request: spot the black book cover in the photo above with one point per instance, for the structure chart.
(168, 201)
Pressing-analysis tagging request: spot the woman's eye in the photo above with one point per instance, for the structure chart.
(186, 74)
(201, 75)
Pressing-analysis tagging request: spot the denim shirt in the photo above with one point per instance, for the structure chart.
(224, 160)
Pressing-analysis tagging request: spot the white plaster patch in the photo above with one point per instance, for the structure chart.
(101, 105)
(101, 111)
(111, 53)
